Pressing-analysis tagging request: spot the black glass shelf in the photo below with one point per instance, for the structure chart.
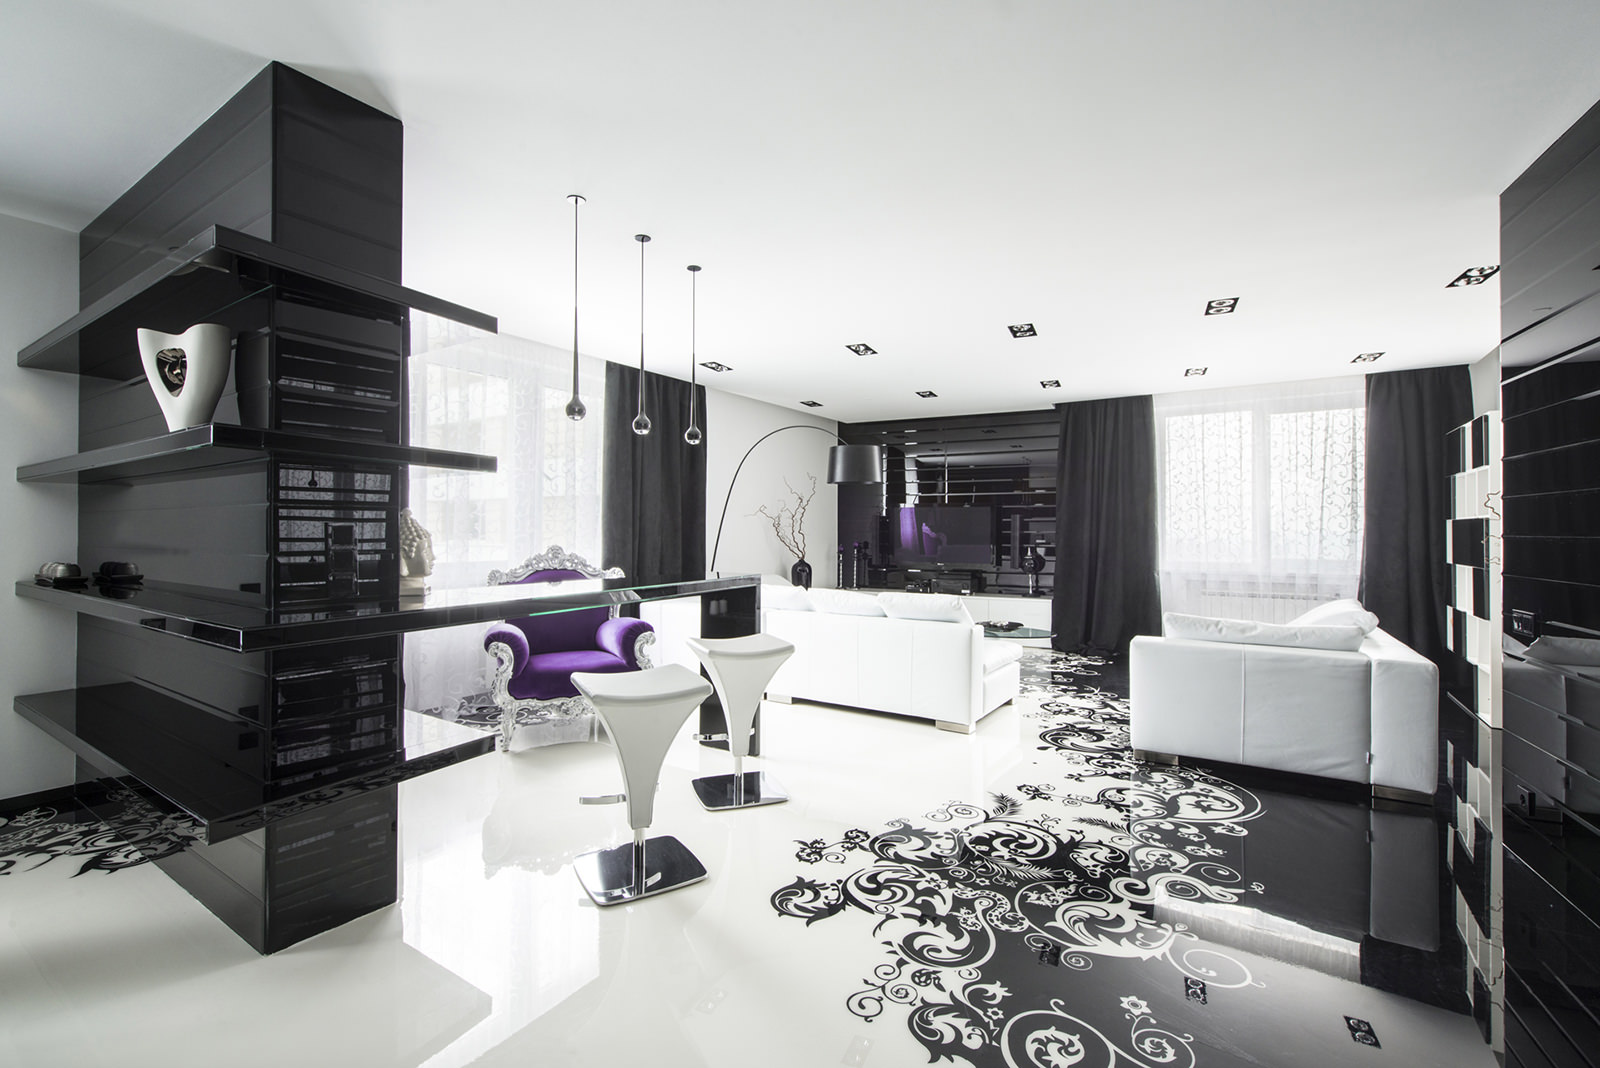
(217, 444)
(240, 624)
(215, 278)
(181, 753)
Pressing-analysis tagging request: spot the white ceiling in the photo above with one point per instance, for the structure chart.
(914, 174)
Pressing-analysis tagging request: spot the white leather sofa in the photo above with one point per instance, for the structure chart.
(1367, 712)
(912, 654)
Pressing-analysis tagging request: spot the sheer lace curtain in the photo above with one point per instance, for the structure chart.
(1261, 497)
(504, 396)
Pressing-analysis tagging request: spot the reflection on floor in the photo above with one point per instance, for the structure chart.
(1028, 895)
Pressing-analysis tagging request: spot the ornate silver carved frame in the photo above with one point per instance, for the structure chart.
(529, 709)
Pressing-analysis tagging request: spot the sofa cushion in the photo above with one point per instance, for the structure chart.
(934, 607)
(1251, 632)
(1345, 613)
(787, 597)
(998, 652)
(549, 675)
(845, 603)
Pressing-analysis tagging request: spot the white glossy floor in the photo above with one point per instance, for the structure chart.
(495, 957)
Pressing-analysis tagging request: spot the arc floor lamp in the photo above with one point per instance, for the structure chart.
(846, 463)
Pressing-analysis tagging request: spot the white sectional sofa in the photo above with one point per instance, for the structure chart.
(1364, 710)
(914, 654)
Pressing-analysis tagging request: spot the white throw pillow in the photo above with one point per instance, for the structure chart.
(1250, 632)
(1345, 613)
(786, 597)
(845, 603)
(935, 607)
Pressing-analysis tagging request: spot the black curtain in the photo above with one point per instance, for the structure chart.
(1106, 587)
(653, 514)
(1403, 570)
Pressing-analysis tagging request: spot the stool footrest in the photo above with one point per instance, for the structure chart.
(722, 737)
(718, 792)
(603, 799)
(609, 877)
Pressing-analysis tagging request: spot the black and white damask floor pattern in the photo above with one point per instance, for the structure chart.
(1022, 930)
(124, 832)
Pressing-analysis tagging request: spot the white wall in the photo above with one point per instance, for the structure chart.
(1486, 384)
(733, 424)
(38, 421)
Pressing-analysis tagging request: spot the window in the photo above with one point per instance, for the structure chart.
(1261, 497)
(504, 396)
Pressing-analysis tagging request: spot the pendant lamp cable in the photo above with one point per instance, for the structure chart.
(575, 407)
(641, 422)
(693, 435)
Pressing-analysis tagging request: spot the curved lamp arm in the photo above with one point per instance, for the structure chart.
(839, 470)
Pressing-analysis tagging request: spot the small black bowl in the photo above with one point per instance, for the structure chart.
(117, 573)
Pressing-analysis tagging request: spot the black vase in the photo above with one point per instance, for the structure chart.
(800, 574)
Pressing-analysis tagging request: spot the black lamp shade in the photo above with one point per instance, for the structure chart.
(855, 463)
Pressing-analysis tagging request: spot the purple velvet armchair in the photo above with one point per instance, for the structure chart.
(535, 656)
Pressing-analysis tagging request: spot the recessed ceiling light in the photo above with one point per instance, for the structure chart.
(1023, 330)
(862, 349)
(926, 393)
(1474, 276)
(1050, 383)
(1222, 306)
(713, 365)
(1194, 372)
(1366, 357)
(812, 404)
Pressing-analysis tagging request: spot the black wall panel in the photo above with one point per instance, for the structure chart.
(1550, 315)
(1006, 461)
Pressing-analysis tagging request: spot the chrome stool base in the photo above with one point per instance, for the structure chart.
(636, 870)
(752, 788)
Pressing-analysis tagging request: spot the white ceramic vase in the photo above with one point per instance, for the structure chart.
(187, 371)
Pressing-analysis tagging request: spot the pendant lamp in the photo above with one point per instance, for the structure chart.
(575, 408)
(693, 435)
(641, 422)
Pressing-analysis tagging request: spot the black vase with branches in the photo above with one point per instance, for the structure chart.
(788, 524)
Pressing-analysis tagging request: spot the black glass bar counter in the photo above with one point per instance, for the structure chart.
(218, 618)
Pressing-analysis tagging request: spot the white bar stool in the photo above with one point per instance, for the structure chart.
(642, 711)
(740, 668)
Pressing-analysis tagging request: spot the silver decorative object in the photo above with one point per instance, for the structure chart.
(187, 371)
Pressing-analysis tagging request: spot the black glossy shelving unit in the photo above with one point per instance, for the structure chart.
(253, 683)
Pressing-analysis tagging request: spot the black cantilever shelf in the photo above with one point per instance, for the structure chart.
(215, 444)
(210, 278)
(193, 758)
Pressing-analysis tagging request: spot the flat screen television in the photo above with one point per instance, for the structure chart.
(961, 535)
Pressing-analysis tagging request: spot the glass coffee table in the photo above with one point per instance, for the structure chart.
(999, 629)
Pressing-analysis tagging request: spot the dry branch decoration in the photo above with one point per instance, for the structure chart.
(789, 523)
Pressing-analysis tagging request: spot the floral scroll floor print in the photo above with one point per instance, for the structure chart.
(1023, 930)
